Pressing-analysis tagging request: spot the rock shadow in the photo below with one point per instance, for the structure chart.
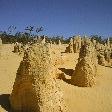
(67, 71)
(67, 81)
(109, 66)
(4, 102)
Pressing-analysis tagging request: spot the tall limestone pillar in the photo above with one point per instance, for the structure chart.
(86, 68)
(35, 88)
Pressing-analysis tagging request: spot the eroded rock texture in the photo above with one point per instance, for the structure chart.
(101, 60)
(16, 48)
(0, 41)
(104, 53)
(69, 48)
(0, 46)
(86, 68)
(35, 88)
(76, 44)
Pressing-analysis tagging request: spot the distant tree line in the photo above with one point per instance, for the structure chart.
(100, 39)
(9, 36)
(31, 32)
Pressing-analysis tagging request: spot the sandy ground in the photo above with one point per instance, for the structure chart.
(78, 99)
(9, 63)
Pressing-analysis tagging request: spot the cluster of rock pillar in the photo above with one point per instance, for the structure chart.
(74, 45)
(35, 88)
(104, 53)
(91, 53)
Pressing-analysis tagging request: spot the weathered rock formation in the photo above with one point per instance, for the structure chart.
(101, 60)
(107, 54)
(0, 41)
(43, 40)
(86, 68)
(94, 42)
(59, 42)
(108, 43)
(35, 88)
(0, 46)
(104, 53)
(70, 48)
(16, 48)
(76, 44)
(56, 57)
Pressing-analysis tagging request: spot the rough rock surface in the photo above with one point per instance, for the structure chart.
(0, 41)
(101, 60)
(86, 68)
(16, 48)
(69, 49)
(35, 88)
(0, 46)
(43, 41)
(76, 44)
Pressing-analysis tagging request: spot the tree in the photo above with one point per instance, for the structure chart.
(30, 29)
(110, 40)
(97, 38)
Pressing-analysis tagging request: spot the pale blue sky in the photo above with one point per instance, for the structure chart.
(59, 17)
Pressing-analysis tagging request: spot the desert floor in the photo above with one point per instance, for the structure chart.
(78, 99)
